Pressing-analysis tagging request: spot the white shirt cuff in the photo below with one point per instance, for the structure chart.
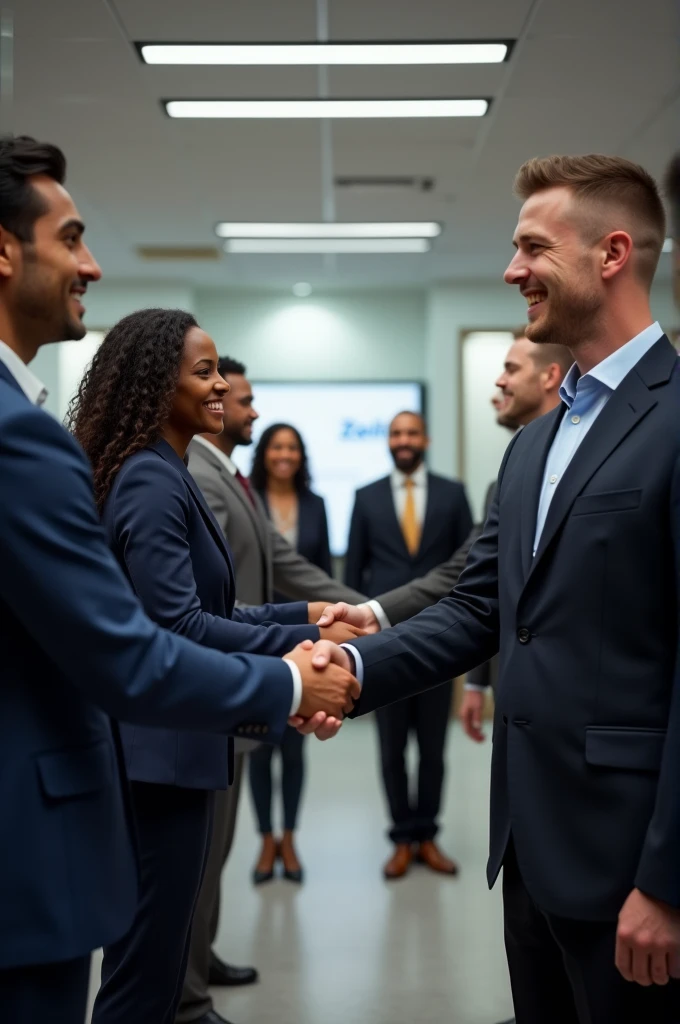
(472, 687)
(379, 613)
(358, 663)
(297, 687)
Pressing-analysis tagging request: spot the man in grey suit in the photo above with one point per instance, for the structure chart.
(263, 562)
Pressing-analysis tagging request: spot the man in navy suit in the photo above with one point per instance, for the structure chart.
(402, 526)
(76, 646)
(576, 578)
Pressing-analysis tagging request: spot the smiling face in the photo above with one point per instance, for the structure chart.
(44, 280)
(408, 441)
(283, 455)
(239, 414)
(556, 269)
(522, 386)
(198, 404)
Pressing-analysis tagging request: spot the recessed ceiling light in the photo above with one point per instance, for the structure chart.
(332, 229)
(252, 246)
(493, 52)
(302, 290)
(667, 245)
(327, 108)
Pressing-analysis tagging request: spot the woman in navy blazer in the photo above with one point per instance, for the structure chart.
(280, 475)
(152, 386)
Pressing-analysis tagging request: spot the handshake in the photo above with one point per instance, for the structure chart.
(329, 687)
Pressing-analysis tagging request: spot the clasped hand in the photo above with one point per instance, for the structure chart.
(325, 669)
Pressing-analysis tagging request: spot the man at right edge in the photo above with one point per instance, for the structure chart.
(576, 579)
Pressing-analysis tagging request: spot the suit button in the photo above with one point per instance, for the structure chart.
(523, 635)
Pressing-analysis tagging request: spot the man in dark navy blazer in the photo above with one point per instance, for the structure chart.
(75, 646)
(401, 527)
(576, 578)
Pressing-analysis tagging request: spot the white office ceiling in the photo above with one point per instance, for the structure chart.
(588, 75)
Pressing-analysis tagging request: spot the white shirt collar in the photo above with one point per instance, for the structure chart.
(230, 466)
(34, 389)
(419, 477)
(615, 367)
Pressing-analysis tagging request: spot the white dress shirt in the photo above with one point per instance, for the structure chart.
(34, 389)
(232, 469)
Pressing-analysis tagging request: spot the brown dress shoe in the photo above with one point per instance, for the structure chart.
(430, 854)
(399, 862)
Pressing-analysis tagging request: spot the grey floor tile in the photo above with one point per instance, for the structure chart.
(347, 946)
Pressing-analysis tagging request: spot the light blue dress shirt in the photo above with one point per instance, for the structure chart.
(585, 397)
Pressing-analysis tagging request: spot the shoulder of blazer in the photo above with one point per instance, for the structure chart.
(444, 482)
(369, 490)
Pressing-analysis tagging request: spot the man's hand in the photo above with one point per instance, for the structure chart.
(648, 940)
(340, 632)
(471, 715)
(359, 615)
(315, 610)
(328, 687)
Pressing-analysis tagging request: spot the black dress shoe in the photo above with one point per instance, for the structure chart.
(211, 1017)
(226, 974)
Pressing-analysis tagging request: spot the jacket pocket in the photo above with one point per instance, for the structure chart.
(78, 772)
(620, 747)
(609, 501)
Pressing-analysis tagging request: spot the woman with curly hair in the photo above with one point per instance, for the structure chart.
(280, 474)
(152, 386)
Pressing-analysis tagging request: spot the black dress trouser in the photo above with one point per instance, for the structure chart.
(563, 971)
(143, 973)
(45, 993)
(414, 815)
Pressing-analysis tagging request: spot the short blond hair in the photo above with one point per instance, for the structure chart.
(603, 184)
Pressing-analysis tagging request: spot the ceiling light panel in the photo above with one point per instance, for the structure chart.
(395, 53)
(334, 229)
(377, 108)
(292, 246)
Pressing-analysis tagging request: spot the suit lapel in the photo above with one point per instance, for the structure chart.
(628, 405)
(389, 516)
(166, 452)
(432, 511)
(534, 460)
(6, 374)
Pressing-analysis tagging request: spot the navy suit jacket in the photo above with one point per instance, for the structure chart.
(312, 542)
(586, 753)
(173, 552)
(377, 557)
(76, 648)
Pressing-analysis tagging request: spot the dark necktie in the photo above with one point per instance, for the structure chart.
(246, 486)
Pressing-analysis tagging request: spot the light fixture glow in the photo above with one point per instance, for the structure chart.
(667, 245)
(302, 290)
(382, 108)
(325, 229)
(253, 246)
(324, 53)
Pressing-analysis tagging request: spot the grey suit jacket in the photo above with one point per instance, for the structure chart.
(406, 601)
(263, 560)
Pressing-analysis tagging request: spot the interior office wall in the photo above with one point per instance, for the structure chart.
(385, 334)
(352, 336)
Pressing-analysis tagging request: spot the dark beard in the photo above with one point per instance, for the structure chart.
(40, 302)
(569, 322)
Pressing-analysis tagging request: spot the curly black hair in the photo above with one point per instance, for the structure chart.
(258, 473)
(126, 395)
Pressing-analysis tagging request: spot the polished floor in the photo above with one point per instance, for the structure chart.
(347, 946)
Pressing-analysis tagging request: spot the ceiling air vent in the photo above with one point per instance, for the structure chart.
(179, 252)
(374, 184)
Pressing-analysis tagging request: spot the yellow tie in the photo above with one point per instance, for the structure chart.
(409, 522)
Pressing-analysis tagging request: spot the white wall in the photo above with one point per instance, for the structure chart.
(407, 335)
(343, 336)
